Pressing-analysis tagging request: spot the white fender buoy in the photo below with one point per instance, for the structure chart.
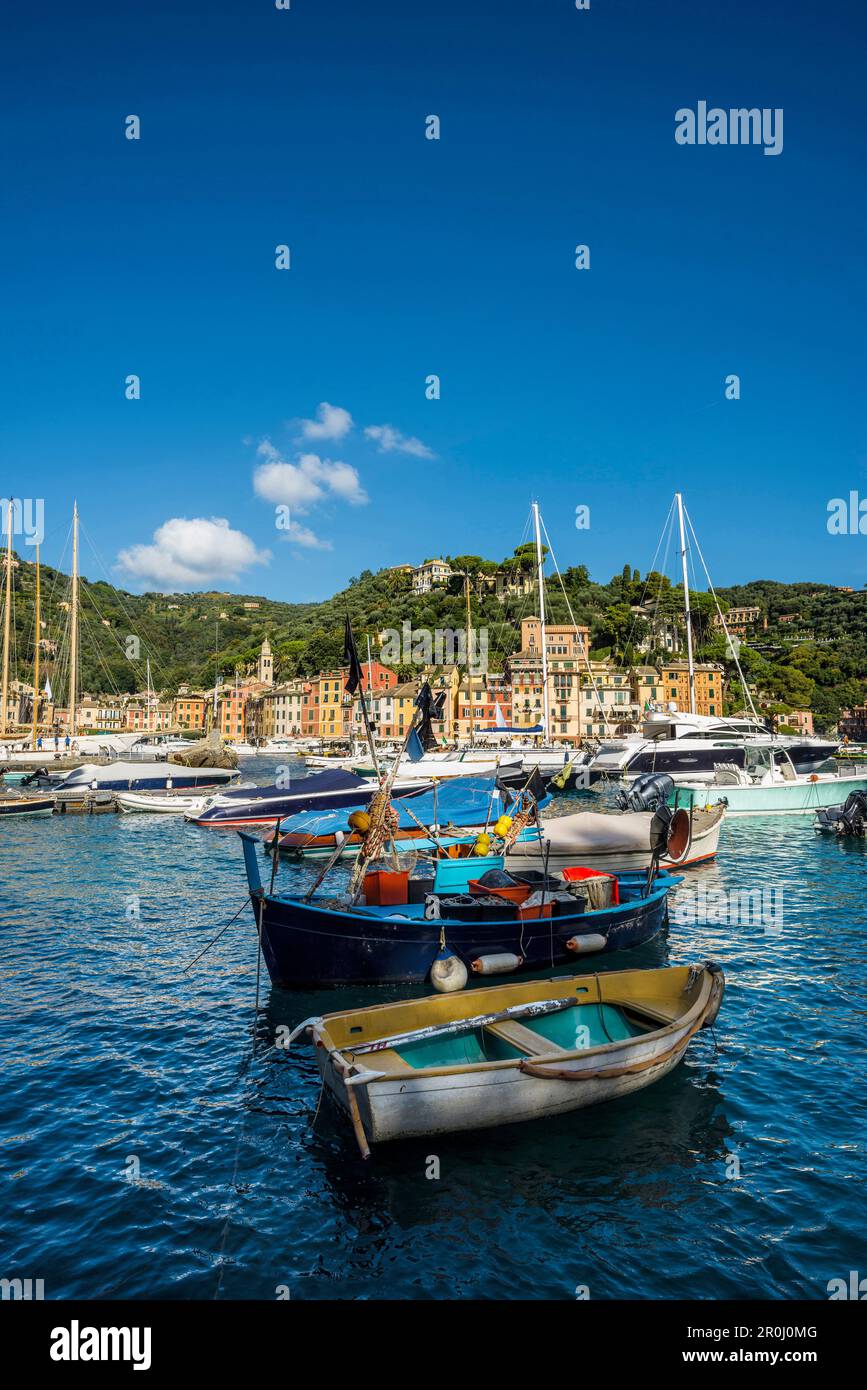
(448, 973)
(586, 945)
(498, 964)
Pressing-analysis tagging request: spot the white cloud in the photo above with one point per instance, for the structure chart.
(391, 441)
(332, 422)
(303, 536)
(304, 484)
(188, 553)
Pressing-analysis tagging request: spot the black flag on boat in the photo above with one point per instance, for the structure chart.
(431, 708)
(350, 659)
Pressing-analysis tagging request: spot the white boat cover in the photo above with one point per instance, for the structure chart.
(593, 832)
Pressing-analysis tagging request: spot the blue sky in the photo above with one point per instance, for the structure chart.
(410, 256)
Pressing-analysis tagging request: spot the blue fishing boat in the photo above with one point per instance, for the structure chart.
(324, 941)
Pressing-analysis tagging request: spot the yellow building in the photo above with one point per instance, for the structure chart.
(567, 648)
(709, 678)
(335, 706)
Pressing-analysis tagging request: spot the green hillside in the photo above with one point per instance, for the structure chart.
(813, 652)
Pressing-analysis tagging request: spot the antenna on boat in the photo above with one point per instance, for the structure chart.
(678, 497)
(7, 619)
(73, 629)
(540, 564)
(38, 632)
(469, 658)
(731, 647)
(604, 714)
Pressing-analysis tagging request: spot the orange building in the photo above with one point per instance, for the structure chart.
(188, 711)
(674, 686)
(231, 705)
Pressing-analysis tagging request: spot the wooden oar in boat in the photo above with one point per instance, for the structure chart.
(535, 1009)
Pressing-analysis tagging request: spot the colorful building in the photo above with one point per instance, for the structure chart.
(709, 680)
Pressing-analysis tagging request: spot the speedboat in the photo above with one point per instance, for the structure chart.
(690, 748)
(325, 791)
(454, 763)
(156, 776)
(776, 789)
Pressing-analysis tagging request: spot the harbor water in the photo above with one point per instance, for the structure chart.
(155, 1142)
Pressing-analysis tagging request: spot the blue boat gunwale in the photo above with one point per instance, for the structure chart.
(389, 913)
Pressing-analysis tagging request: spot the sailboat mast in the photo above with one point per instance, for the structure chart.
(7, 620)
(38, 632)
(540, 564)
(73, 629)
(148, 697)
(469, 658)
(679, 500)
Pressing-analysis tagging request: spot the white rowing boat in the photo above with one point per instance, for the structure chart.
(165, 803)
(485, 1057)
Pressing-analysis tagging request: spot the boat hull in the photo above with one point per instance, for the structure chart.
(15, 809)
(785, 798)
(161, 803)
(412, 1107)
(309, 946)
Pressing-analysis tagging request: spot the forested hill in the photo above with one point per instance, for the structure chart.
(809, 648)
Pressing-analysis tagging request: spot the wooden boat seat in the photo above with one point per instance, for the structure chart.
(645, 1013)
(524, 1039)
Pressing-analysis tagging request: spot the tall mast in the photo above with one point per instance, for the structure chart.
(148, 697)
(73, 629)
(38, 629)
(469, 657)
(540, 563)
(7, 620)
(679, 500)
(216, 676)
(369, 667)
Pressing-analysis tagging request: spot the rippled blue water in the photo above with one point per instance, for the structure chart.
(154, 1144)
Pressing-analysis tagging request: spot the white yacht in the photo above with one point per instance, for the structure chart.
(690, 748)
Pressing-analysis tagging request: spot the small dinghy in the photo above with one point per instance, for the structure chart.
(511, 1053)
(12, 807)
(164, 803)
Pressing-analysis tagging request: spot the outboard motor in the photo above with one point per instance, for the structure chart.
(848, 819)
(647, 793)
